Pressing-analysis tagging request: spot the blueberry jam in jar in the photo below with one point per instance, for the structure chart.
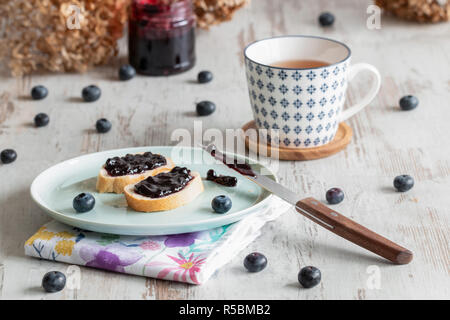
(161, 36)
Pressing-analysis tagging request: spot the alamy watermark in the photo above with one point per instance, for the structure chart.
(73, 19)
(73, 277)
(73, 13)
(374, 20)
(373, 282)
(230, 140)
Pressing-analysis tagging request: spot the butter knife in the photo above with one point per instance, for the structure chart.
(321, 214)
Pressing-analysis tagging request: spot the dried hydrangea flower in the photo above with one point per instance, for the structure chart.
(418, 10)
(36, 33)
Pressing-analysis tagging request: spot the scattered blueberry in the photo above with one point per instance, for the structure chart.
(205, 108)
(221, 204)
(334, 196)
(255, 262)
(39, 92)
(403, 183)
(326, 19)
(54, 281)
(8, 156)
(91, 93)
(309, 277)
(408, 102)
(126, 72)
(83, 202)
(41, 120)
(103, 125)
(204, 76)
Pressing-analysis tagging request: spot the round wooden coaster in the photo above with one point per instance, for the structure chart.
(341, 140)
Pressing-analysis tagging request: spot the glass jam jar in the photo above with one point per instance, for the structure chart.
(161, 36)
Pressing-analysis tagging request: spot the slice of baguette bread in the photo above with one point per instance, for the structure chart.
(108, 183)
(174, 200)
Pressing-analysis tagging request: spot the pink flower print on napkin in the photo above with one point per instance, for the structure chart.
(113, 257)
(183, 267)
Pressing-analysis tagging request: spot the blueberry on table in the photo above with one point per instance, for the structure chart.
(221, 204)
(334, 196)
(205, 108)
(91, 93)
(54, 281)
(204, 76)
(255, 262)
(408, 102)
(39, 92)
(103, 125)
(8, 156)
(403, 183)
(83, 202)
(41, 120)
(326, 19)
(309, 277)
(126, 72)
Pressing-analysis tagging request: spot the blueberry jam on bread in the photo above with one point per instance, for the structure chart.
(164, 191)
(134, 163)
(118, 172)
(164, 183)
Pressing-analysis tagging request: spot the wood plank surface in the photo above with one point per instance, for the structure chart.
(412, 59)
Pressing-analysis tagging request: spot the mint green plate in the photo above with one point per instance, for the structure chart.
(54, 189)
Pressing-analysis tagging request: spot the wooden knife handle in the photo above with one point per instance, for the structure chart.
(352, 231)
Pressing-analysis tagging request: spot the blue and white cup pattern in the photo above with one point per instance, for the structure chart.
(305, 106)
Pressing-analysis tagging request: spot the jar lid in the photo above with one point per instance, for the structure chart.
(162, 12)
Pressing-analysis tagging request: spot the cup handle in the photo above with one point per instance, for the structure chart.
(352, 72)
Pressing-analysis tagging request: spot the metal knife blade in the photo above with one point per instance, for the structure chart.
(266, 183)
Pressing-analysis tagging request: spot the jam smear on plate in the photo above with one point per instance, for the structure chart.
(227, 181)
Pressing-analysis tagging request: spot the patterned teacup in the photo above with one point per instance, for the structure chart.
(303, 105)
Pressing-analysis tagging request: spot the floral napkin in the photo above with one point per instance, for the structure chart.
(189, 257)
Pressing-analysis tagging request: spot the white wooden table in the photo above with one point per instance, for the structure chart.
(413, 59)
